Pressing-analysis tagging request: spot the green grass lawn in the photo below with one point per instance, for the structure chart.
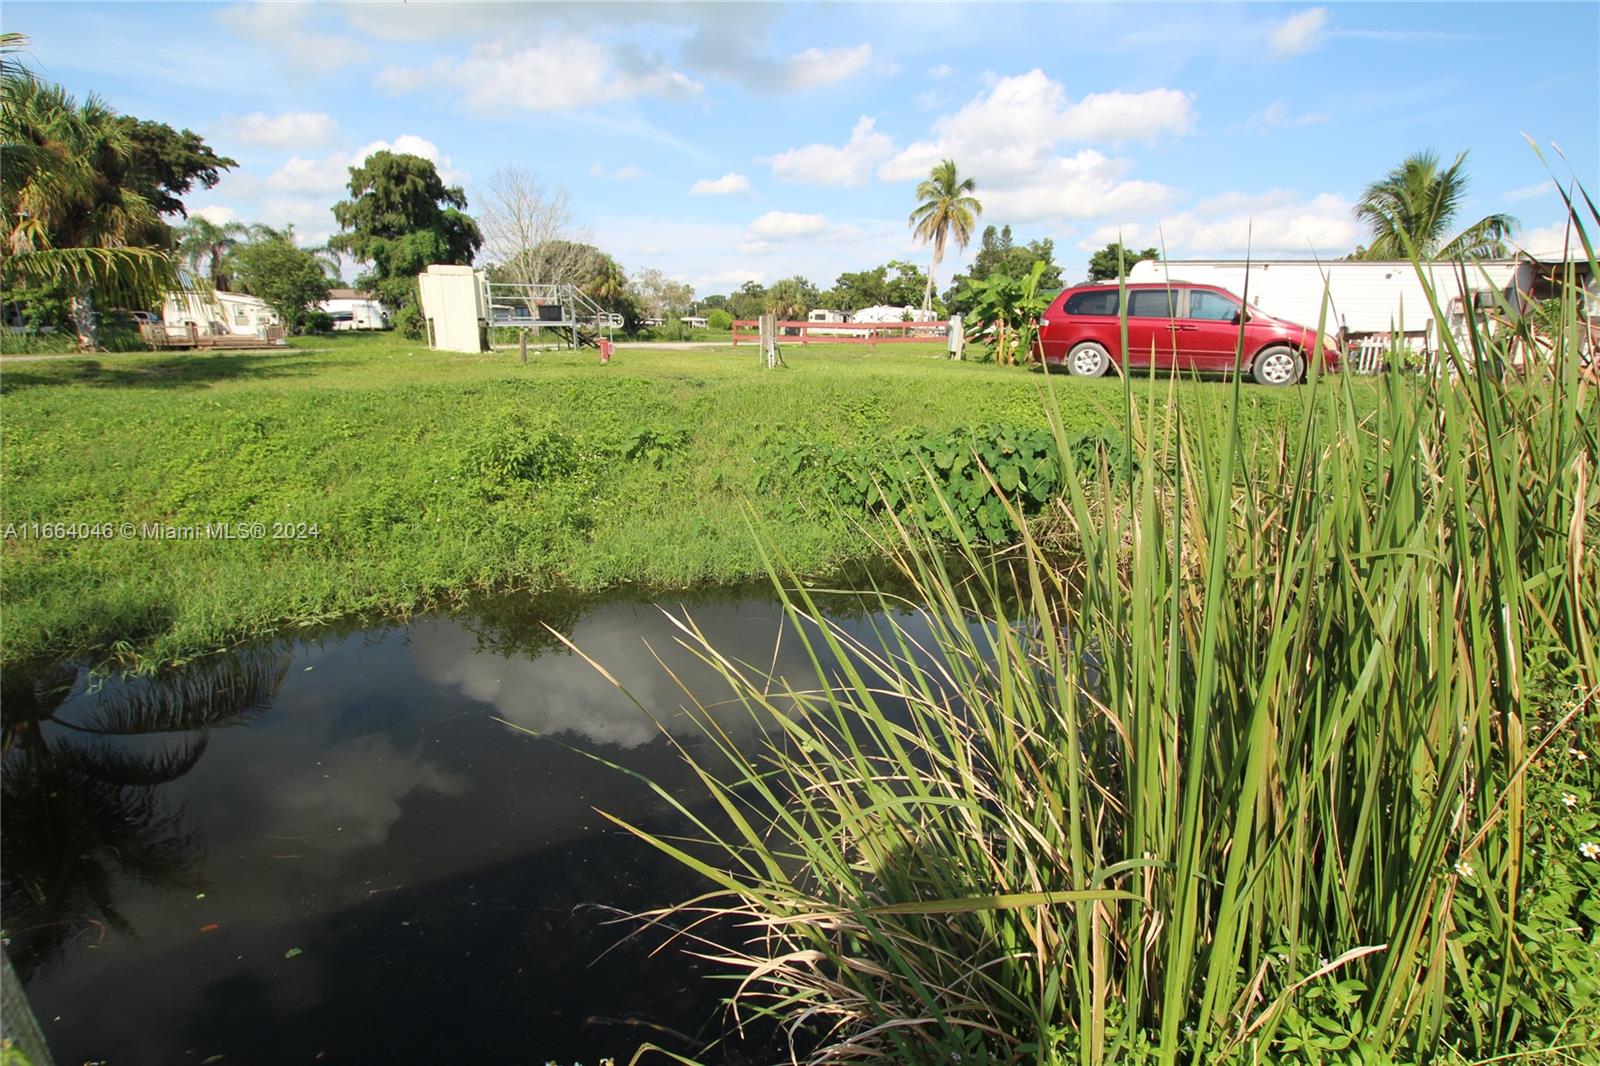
(427, 474)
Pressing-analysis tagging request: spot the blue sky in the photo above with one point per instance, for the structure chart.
(721, 142)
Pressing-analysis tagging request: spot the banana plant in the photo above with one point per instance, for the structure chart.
(1005, 312)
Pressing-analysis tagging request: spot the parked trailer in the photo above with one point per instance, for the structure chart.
(1365, 297)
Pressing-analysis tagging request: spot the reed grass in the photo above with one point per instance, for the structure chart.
(1267, 772)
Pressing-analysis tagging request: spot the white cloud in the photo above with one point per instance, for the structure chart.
(727, 279)
(734, 46)
(1267, 224)
(311, 216)
(411, 144)
(941, 71)
(816, 67)
(1299, 33)
(729, 184)
(217, 214)
(1010, 135)
(292, 129)
(1008, 132)
(786, 226)
(1084, 185)
(623, 173)
(281, 26)
(1530, 192)
(1549, 242)
(826, 164)
(331, 173)
(300, 174)
(1276, 115)
(1032, 107)
(558, 73)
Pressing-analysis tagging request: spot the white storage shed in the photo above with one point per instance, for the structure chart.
(455, 305)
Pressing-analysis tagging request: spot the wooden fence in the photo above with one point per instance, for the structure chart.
(870, 333)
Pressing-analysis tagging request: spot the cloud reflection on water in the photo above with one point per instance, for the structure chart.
(560, 693)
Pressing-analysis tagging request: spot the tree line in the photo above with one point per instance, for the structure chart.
(93, 201)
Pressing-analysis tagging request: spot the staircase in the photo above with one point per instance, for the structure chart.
(563, 308)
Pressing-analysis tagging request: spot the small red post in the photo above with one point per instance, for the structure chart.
(605, 351)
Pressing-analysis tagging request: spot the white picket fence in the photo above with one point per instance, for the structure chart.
(1371, 353)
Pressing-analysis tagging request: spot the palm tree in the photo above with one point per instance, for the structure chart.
(1413, 207)
(325, 255)
(946, 210)
(607, 282)
(65, 223)
(85, 810)
(207, 248)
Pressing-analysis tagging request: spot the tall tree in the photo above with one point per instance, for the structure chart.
(946, 211)
(657, 295)
(748, 300)
(999, 253)
(286, 276)
(791, 298)
(326, 256)
(401, 217)
(1113, 262)
(207, 248)
(164, 164)
(69, 224)
(528, 230)
(1416, 203)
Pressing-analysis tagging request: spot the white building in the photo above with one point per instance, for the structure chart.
(882, 313)
(218, 314)
(1363, 296)
(354, 309)
(823, 314)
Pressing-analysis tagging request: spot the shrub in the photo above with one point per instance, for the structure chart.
(719, 320)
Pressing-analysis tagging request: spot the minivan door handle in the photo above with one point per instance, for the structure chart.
(1182, 326)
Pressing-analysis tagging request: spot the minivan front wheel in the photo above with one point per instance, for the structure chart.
(1088, 360)
(1277, 366)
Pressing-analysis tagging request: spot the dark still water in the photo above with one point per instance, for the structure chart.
(328, 850)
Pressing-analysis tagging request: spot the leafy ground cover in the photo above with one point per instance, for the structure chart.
(426, 474)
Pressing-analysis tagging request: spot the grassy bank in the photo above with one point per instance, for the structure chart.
(1294, 761)
(426, 474)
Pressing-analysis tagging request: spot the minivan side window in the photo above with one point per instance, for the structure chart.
(1103, 302)
(1211, 306)
(1151, 303)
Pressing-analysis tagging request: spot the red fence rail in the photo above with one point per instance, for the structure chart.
(871, 333)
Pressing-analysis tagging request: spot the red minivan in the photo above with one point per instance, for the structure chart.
(1193, 328)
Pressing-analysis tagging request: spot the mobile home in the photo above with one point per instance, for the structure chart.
(218, 314)
(354, 309)
(1364, 297)
(882, 313)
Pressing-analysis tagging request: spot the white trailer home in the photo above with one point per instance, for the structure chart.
(218, 314)
(354, 309)
(1365, 297)
(884, 313)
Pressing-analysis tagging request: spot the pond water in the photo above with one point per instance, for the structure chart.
(329, 850)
